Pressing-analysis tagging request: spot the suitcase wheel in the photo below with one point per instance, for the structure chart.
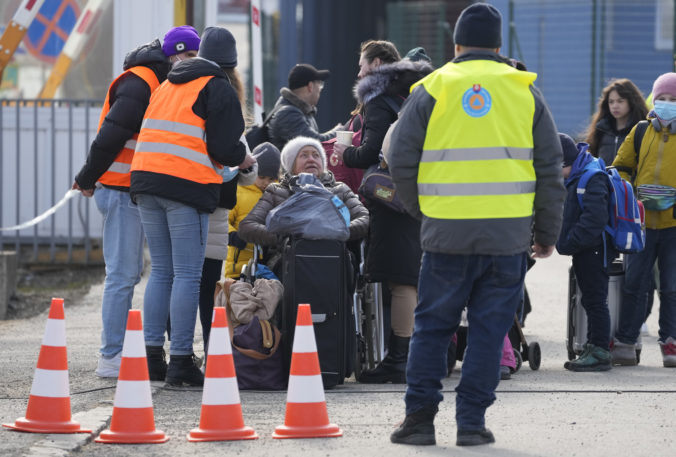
(571, 354)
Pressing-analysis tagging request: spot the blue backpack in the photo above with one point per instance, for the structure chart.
(626, 225)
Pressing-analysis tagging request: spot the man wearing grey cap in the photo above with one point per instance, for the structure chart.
(294, 113)
(477, 157)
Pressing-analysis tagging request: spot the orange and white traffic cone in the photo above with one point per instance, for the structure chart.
(49, 402)
(133, 419)
(306, 414)
(221, 416)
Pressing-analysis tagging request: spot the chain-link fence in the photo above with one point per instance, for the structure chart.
(575, 46)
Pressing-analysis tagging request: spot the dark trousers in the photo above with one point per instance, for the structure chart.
(491, 288)
(592, 277)
(660, 245)
(211, 273)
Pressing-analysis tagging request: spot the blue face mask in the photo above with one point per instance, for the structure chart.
(665, 110)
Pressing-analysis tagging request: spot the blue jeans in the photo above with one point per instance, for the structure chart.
(176, 235)
(660, 245)
(123, 255)
(592, 277)
(490, 287)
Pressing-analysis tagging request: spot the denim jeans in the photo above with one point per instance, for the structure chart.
(176, 235)
(123, 255)
(660, 245)
(592, 277)
(491, 289)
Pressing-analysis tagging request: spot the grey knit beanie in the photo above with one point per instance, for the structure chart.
(268, 158)
(218, 45)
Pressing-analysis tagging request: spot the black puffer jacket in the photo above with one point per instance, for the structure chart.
(583, 229)
(393, 81)
(252, 228)
(393, 252)
(128, 99)
(218, 105)
(610, 139)
(293, 117)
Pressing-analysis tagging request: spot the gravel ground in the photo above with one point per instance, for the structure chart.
(36, 285)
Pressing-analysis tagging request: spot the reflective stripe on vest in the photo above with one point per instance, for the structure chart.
(172, 138)
(477, 159)
(118, 174)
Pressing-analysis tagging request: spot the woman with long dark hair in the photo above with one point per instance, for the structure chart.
(620, 108)
(189, 140)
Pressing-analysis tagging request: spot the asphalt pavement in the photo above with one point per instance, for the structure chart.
(628, 411)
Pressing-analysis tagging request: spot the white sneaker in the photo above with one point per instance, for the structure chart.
(109, 368)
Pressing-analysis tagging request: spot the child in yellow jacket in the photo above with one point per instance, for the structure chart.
(239, 252)
(654, 168)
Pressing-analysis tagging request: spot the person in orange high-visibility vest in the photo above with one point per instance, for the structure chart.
(107, 170)
(189, 144)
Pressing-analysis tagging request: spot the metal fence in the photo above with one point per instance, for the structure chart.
(574, 46)
(43, 144)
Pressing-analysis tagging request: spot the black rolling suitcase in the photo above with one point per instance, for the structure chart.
(319, 272)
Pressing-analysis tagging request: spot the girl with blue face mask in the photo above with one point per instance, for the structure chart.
(654, 167)
(665, 108)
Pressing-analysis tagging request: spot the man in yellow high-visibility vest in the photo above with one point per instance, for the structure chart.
(476, 156)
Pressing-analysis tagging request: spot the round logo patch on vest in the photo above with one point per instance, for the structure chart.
(476, 101)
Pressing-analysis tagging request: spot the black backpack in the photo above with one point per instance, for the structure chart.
(258, 134)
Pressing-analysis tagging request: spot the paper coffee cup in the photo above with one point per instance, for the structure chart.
(344, 137)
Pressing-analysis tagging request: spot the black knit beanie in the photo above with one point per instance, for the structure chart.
(479, 26)
(570, 150)
(218, 45)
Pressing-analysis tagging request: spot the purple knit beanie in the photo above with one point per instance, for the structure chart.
(180, 39)
(664, 84)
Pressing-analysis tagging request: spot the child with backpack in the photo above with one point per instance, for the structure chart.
(651, 160)
(583, 236)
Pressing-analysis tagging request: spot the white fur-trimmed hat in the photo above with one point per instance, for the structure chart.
(293, 147)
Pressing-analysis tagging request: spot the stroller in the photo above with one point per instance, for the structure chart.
(523, 351)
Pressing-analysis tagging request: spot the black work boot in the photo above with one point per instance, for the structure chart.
(417, 428)
(474, 437)
(157, 364)
(393, 367)
(184, 370)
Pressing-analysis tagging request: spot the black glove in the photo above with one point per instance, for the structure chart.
(236, 241)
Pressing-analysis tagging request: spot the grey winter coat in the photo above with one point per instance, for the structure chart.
(252, 228)
(293, 117)
(217, 237)
(507, 236)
